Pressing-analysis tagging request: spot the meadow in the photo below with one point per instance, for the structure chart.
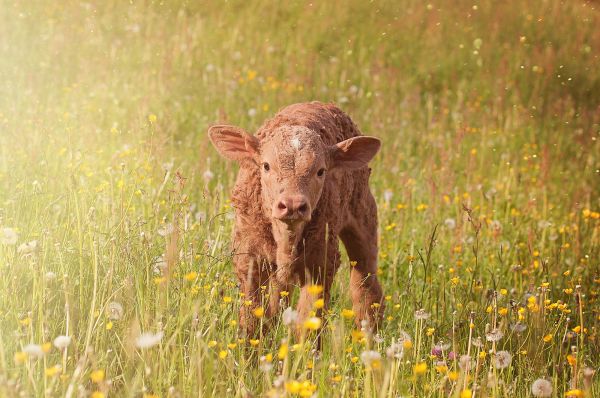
(116, 277)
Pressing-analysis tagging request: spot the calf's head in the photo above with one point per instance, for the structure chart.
(294, 164)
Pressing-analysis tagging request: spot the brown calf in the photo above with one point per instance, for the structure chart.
(302, 183)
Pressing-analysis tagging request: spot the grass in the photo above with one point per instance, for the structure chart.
(488, 187)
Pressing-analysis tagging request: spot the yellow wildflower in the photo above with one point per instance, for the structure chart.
(97, 376)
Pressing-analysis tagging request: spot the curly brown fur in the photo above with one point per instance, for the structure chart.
(302, 184)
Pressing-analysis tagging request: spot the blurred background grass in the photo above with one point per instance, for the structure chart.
(104, 108)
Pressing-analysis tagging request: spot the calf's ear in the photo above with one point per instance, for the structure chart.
(354, 152)
(233, 142)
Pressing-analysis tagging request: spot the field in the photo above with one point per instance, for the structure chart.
(115, 263)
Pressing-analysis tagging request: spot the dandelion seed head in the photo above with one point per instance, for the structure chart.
(422, 315)
(502, 359)
(148, 339)
(494, 335)
(8, 236)
(289, 316)
(450, 223)
(114, 310)
(208, 175)
(387, 195)
(27, 248)
(34, 350)
(62, 342)
(370, 358)
(541, 388)
(519, 327)
(165, 230)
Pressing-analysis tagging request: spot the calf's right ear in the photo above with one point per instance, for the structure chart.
(233, 142)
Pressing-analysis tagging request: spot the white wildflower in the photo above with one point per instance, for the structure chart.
(50, 276)
(252, 112)
(541, 388)
(148, 339)
(62, 342)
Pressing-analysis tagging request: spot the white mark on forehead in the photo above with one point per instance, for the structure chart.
(295, 143)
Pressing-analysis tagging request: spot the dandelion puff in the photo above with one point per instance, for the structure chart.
(421, 315)
(167, 166)
(519, 327)
(62, 342)
(34, 350)
(494, 335)
(496, 225)
(502, 359)
(208, 175)
(387, 195)
(114, 310)
(8, 236)
(50, 276)
(395, 351)
(252, 112)
(450, 223)
(266, 363)
(465, 361)
(541, 388)
(148, 339)
(289, 316)
(27, 248)
(370, 358)
(166, 230)
(158, 265)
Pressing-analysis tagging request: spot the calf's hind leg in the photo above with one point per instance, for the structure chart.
(360, 239)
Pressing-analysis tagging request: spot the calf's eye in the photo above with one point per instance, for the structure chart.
(266, 166)
(321, 172)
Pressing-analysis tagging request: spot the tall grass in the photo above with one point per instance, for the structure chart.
(115, 220)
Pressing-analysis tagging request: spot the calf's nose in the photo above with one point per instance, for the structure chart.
(293, 207)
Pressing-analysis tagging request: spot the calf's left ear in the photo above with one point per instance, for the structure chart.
(354, 152)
